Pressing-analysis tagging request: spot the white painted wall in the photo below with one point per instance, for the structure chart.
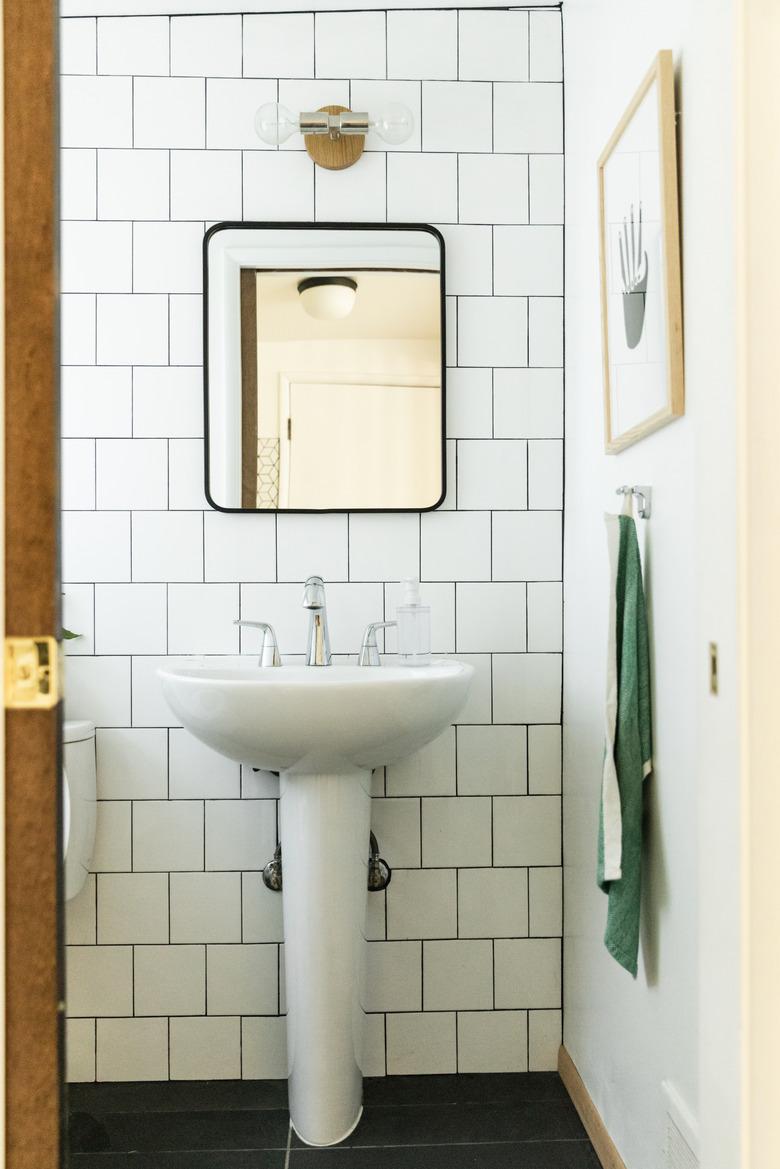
(627, 1037)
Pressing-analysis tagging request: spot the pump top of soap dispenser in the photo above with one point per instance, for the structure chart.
(410, 591)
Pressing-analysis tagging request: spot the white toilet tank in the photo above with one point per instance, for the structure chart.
(79, 804)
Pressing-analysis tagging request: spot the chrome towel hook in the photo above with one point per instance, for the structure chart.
(643, 496)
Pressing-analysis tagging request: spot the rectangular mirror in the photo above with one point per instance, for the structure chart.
(324, 366)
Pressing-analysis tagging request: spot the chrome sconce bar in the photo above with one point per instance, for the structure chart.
(334, 135)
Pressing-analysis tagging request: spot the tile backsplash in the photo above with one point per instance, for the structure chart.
(175, 947)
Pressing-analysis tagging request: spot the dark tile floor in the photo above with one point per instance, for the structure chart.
(409, 1122)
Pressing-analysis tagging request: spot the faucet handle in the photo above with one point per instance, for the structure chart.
(369, 650)
(269, 647)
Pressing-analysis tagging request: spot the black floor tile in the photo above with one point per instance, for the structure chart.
(178, 1096)
(251, 1159)
(543, 1120)
(239, 1129)
(509, 1088)
(526, 1155)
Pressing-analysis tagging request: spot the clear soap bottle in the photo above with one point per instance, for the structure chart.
(414, 626)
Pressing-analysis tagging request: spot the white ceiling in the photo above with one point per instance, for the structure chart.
(200, 7)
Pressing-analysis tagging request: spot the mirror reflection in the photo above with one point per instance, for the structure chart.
(325, 371)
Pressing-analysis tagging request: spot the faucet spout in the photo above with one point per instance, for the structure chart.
(318, 641)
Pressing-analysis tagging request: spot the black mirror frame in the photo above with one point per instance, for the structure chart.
(232, 225)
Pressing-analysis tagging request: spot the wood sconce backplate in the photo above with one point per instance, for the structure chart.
(334, 153)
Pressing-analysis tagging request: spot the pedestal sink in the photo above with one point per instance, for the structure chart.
(323, 730)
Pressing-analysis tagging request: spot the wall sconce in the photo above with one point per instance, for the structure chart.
(334, 135)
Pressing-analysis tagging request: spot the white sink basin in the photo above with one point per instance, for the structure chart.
(314, 718)
(323, 728)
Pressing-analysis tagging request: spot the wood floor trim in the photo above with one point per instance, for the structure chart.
(602, 1142)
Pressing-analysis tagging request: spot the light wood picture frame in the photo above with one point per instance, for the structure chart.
(639, 245)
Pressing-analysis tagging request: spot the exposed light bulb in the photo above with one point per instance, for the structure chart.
(394, 124)
(274, 123)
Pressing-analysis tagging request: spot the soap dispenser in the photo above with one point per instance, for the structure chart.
(414, 626)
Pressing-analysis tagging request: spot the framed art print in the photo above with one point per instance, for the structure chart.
(641, 303)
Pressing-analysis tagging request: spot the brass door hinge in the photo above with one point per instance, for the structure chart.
(32, 673)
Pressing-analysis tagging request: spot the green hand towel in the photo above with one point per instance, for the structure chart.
(628, 751)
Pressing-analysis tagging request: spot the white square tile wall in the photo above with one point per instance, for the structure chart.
(175, 965)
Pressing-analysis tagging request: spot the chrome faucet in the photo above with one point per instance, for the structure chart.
(318, 647)
(269, 647)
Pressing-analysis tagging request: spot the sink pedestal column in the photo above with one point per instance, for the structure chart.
(324, 831)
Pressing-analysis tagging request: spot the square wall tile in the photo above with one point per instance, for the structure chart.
(427, 772)
(312, 544)
(77, 45)
(528, 118)
(383, 547)
(205, 1049)
(545, 330)
(77, 329)
(278, 185)
(527, 830)
(150, 708)
(527, 545)
(167, 402)
(78, 615)
(201, 618)
(478, 705)
(422, 188)
(186, 477)
(458, 975)
(493, 46)
(205, 184)
(527, 688)
(96, 402)
(422, 903)
(186, 329)
(77, 482)
(240, 547)
(544, 760)
(493, 903)
(99, 690)
(546, 188)
(132, 763)
(421, 1044)
(132, 184)
(132, 907)
(261, 911)
(529, 261)
(469, 259)
(457, 116)
(132, 330)
(493, 188)
(168, 546)
(137, 45)
(206, 46)
(279, 44)
(113, 838)
(205, 907)
(240, 834)
(545, 612)
(528, 973)
(78, 184)
(469, 403)
(349, 44)
(132, 474)
(378, 95)
(96, 257)
(396, 823)
(231, 106)
(96, 546)
(492, 330)
(168, 112)
(456, 832)
(364, 199)
(545, 474)
(492, 474)
(491, 617)
(96, 111)
(546, 56)
(197, 772)
(243, 980)
(455, 546)
(264, 1049)
(167, 257)
(167, 835)
(528, 403)
(170, 980)
(280, 605)
(351, 607)
(99, 980)
(132, 1049)
(394, 976)
(491, 760)
(492, 1041)
(80, 1051)
(422, 44)
(545, 1035)
(545, 900)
